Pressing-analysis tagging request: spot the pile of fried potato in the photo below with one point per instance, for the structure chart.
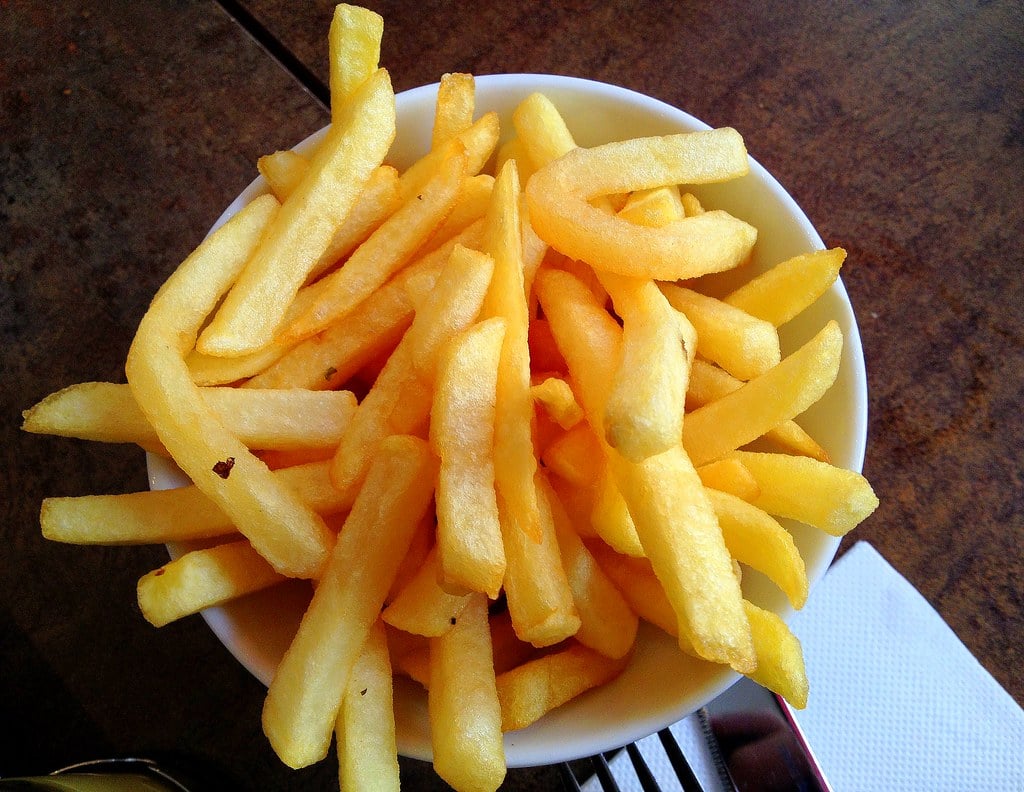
(552, 435)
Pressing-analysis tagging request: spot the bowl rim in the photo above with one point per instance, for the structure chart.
(519, 753)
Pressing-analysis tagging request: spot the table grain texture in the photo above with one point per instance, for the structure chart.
(126, 127)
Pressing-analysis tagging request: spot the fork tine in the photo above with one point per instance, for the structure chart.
(604, 774)
(643, 772)
(568, 779)
(679, 763)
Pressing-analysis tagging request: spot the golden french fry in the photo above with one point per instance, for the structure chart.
(353, 148)
(456, 98)
(514, 461)
(422, 607)
(816, 493)
(353, 44)
(708, 383)
(410, 655)
(471, 553)
(607, 624)
(283, 171)
(281, 528)
(305, 695)
(610, 515)
(559, 195)
(557, 397)
(474, 198)
(778, 395)
(530, 691)
(780, 658)
(399, 401)
(742, 344)
(536, 588)
(541, 130)
(755, 539)
(365, 728)
(576, 456)
(674, 520)
(389, 248)
(203, 579)
(635, 580)
(654, 208)
(513, 149)
(174, 515)
(462, 702)
(783, 291)
(729, 475)
(643, 415)
(478, 142)
(691, 205)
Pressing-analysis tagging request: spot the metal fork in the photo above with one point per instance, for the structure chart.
(599, 764)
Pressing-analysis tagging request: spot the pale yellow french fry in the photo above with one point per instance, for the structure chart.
(691, 205)
(559, 195)
(353, 44)
(389, 248)
(203, 579)
(534, 250)
(462, 703)
(755, 539)
(607, 623)
(283, 171)
(536, 588)
(514, 460)
(778, 395)
(644, 412)
(419, 547)
(742, 344)
(290, 535)
(674, 520)
(399, 401)
(474, 198)
(365, 728)
(478, 142)
(610, 515)
(422, 607)
(708, 383)
(456, 99)
(305, 695)
(783, 291)
(576, 456)
(353, 148)
(729, 475)
(173, 515)
(207, 370)
(557, 398)
(371, 329)
(530, 691)
(541, 130)
(512, 149)
(816, 493)
(471, 553)
(780, 657)
(267, 419)
(635, 580)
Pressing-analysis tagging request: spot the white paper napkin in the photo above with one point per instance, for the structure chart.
(897, 701)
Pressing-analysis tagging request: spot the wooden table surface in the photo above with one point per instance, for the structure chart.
(126, 127)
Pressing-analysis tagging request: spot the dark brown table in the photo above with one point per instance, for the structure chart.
(125, 128)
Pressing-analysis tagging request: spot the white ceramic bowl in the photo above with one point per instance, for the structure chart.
(661, 685)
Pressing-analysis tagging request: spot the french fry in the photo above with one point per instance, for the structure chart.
(778, 395)
(422, 607)
(508, 650)
(203, 579)
(283, 171)
(478, 142)
(305, 695)
(708, 383)
(399, 401)
(654, 208)
(281, 528)
(559, 196)
(462, 702)
(456, 97)
(470, 549)
(514, 461)
(541, 130)
(610, 515)
(755, 539)
(353, 50)
(365, 728)
(780, 658)
(557, 397)
(474, 198)
(829, 498)
(635, 580)
(389, 248)
(607, 624)
(353, 148)
(782, 292)
(729, 475)
(742, 344)
(576, 456)
(537, 591)
(530, 691)
(675, 522)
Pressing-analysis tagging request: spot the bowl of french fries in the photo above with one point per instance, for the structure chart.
(498, 423)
